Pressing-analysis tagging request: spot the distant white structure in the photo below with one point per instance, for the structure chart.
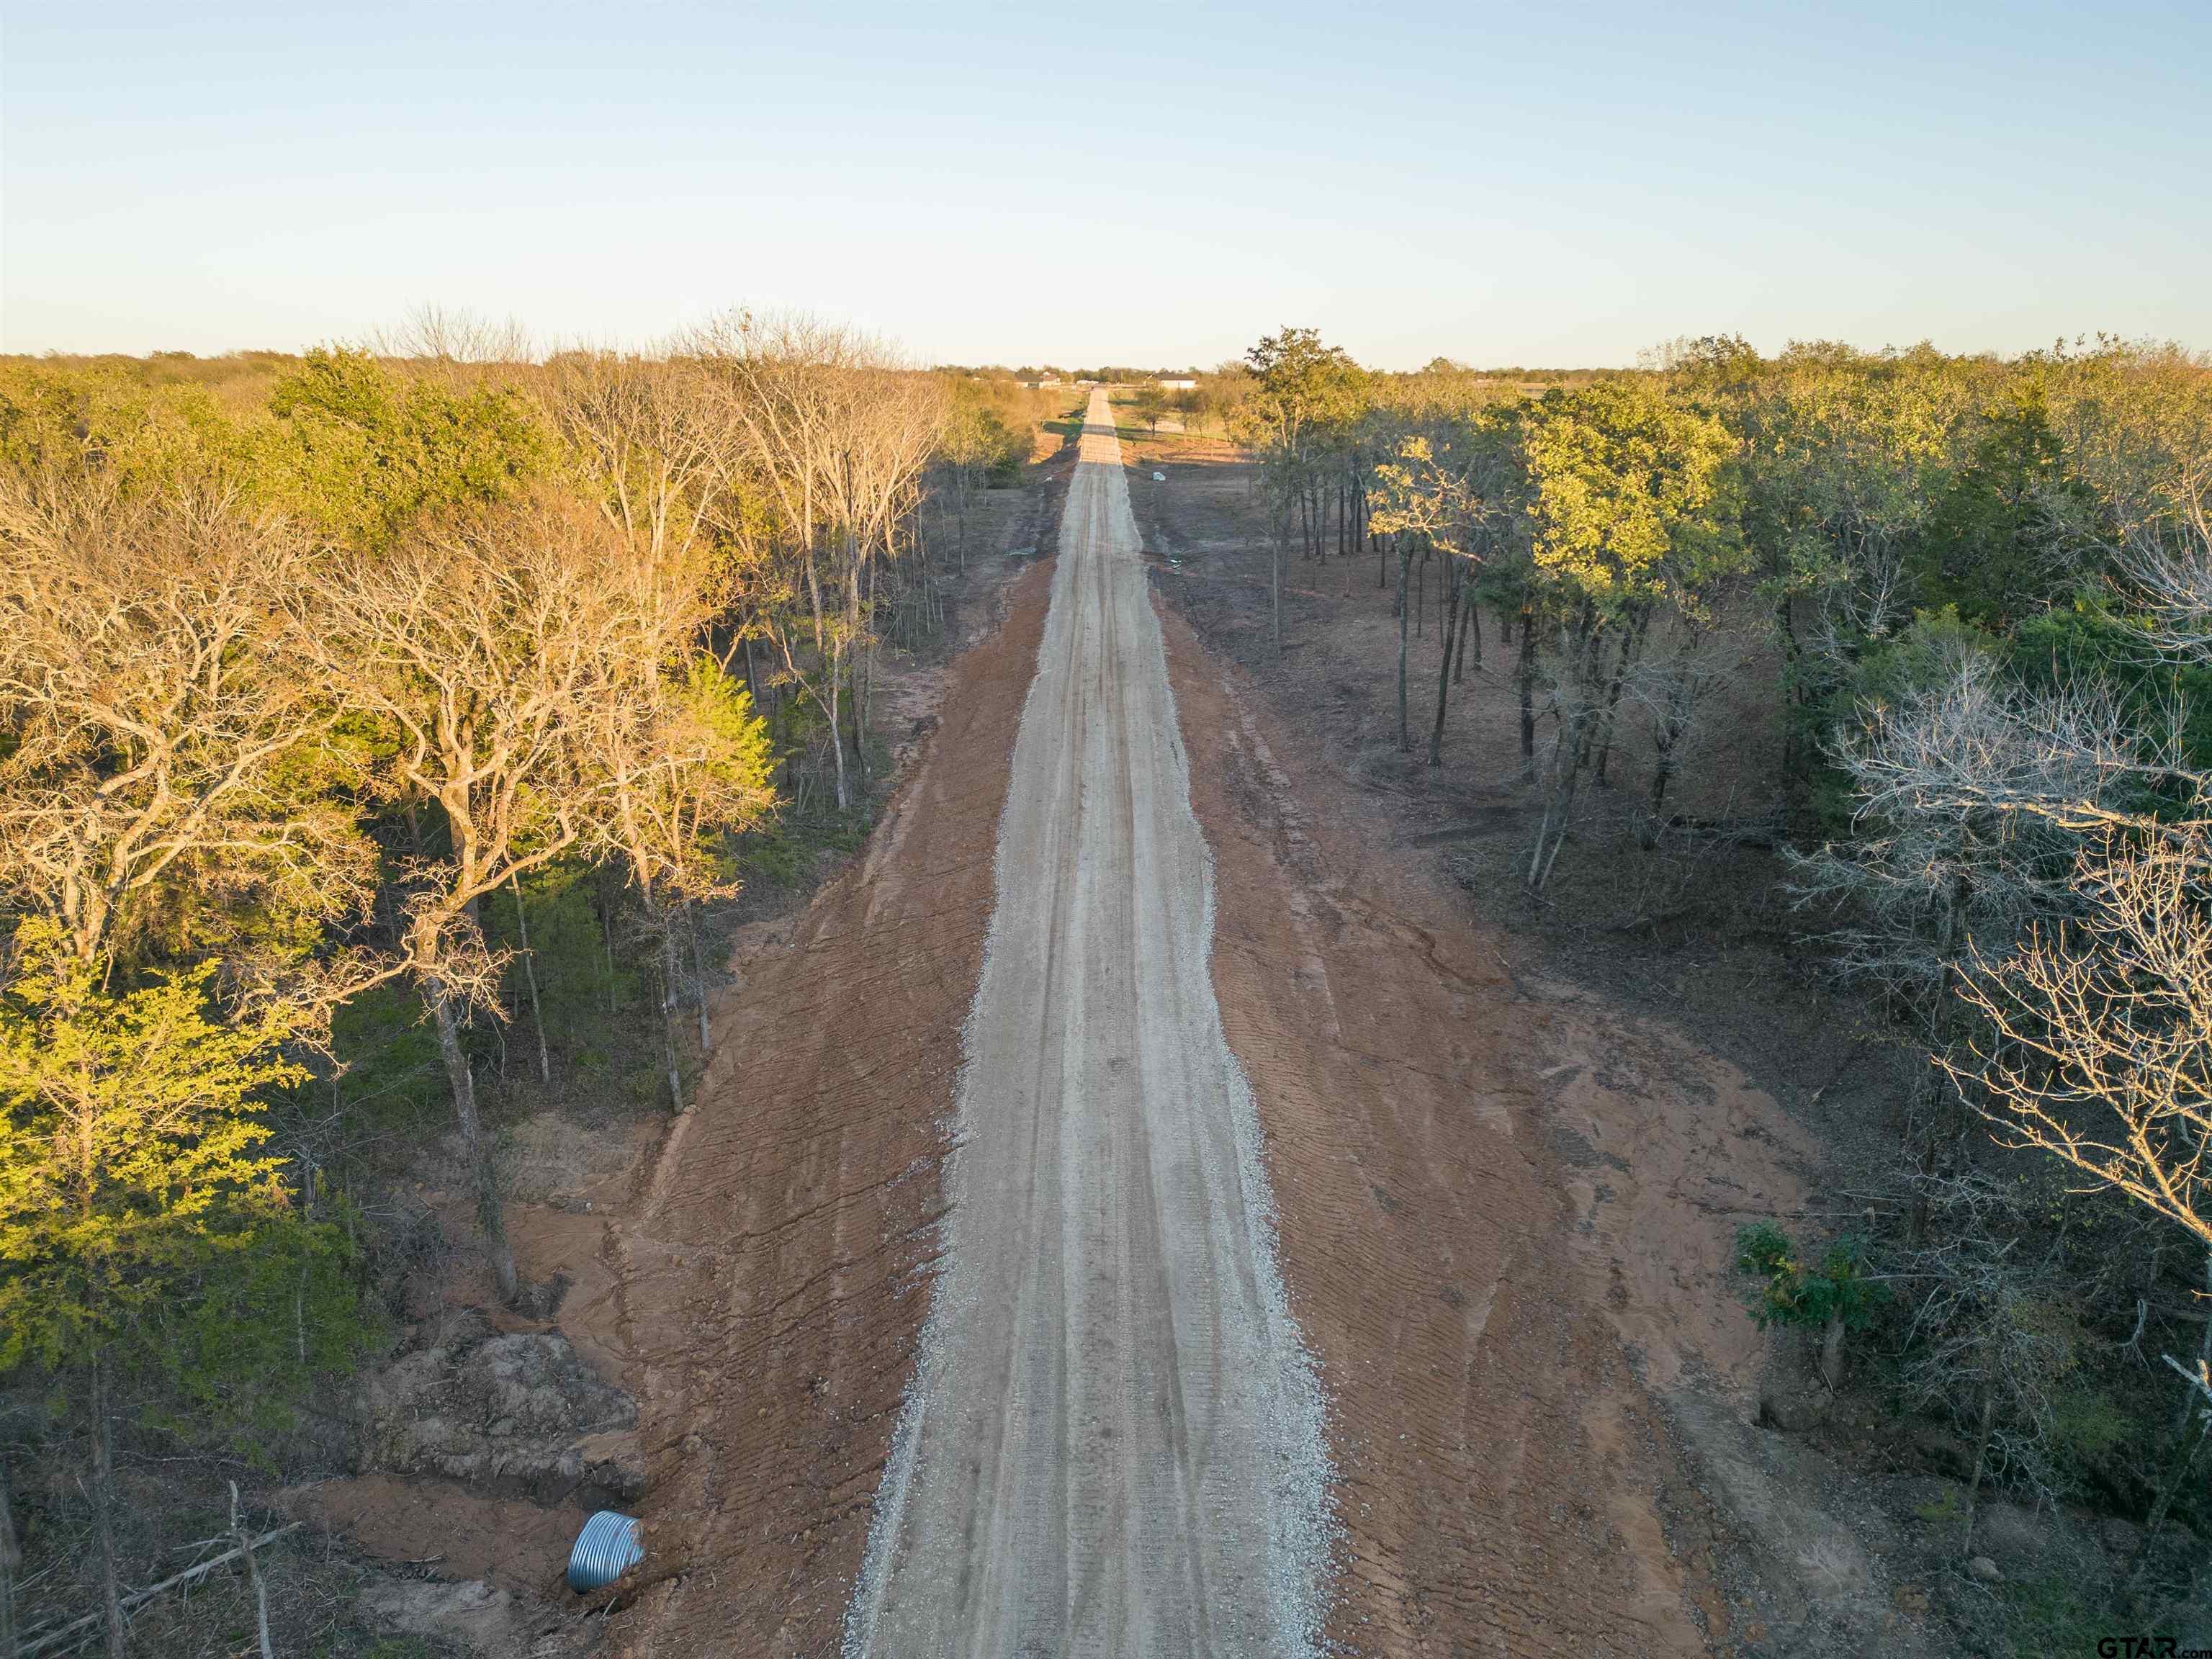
(1177, 386)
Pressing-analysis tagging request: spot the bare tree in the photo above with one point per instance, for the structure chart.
(457, 346)
(2098, 1040)
(1969, 800)
(485, 647)
(837, 433)
(159, 737)
(2164, 551)
(646, 429)
(1671, 692)
(1990, 1338)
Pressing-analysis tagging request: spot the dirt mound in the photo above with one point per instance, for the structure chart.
(774, 1276)
(514, 1412)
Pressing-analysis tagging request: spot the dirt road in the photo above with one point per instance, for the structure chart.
(980, 1351)
(1114, 1444)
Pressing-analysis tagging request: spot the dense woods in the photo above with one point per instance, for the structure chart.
(364, 716)
(1971, 595)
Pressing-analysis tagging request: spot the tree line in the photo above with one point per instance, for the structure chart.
(309, 673)
(1983, 587)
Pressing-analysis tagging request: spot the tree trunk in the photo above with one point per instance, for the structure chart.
(664, 931)
(1405, 564)
(103, 1508)
(1444, 663)
(1832, 1353)
(530, 979)
(603, 903)
(863, 658)
(1981, 1462)
(2183, 1460)
(1672, 725)
(1525, 674)
(1558, 807)
(837, 732)
(491, 1217)
(11, 1563)
(699, 977)
(245, 1542)
(1567, 753)
(1275, 597)
(1629, 648)
(1660, 776)
(1470, 624)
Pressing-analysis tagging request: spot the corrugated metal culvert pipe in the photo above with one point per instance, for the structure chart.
(607, 1547)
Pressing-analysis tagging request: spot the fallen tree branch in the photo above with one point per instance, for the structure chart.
(37, 1644)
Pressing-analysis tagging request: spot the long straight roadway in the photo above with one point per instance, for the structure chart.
(1113, 1443)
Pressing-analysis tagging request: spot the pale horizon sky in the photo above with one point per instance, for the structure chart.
(1560, 185)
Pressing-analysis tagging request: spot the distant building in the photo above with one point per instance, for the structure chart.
(1178, 386)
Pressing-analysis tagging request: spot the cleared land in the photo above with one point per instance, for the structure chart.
(1504, 1209)
(1114, 1445)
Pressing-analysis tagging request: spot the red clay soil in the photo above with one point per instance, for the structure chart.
(773, 1277)
(1505, 1216)
(1501, 1213)
(443, 1527)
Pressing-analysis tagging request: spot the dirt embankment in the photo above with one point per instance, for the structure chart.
(774, 1274)
(1505, 1219)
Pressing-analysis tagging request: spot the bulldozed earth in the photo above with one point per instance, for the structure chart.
(1504, 1206)
(1505, 1211)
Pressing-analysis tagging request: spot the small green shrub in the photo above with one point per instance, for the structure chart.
(1791, 1292)
(1942, 1512)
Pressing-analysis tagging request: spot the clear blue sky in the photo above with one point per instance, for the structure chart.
(1537, 183)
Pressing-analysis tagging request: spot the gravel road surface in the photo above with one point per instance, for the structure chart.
(1113, 1442)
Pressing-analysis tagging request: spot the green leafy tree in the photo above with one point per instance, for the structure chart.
(1299, 388)
(1832, 1294)
(1627, 492)
(1990, 548)
(361, 447)
(139, 1213)
(1152, 404)
(1847, 457)
(687, 763)
(1455, 488)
